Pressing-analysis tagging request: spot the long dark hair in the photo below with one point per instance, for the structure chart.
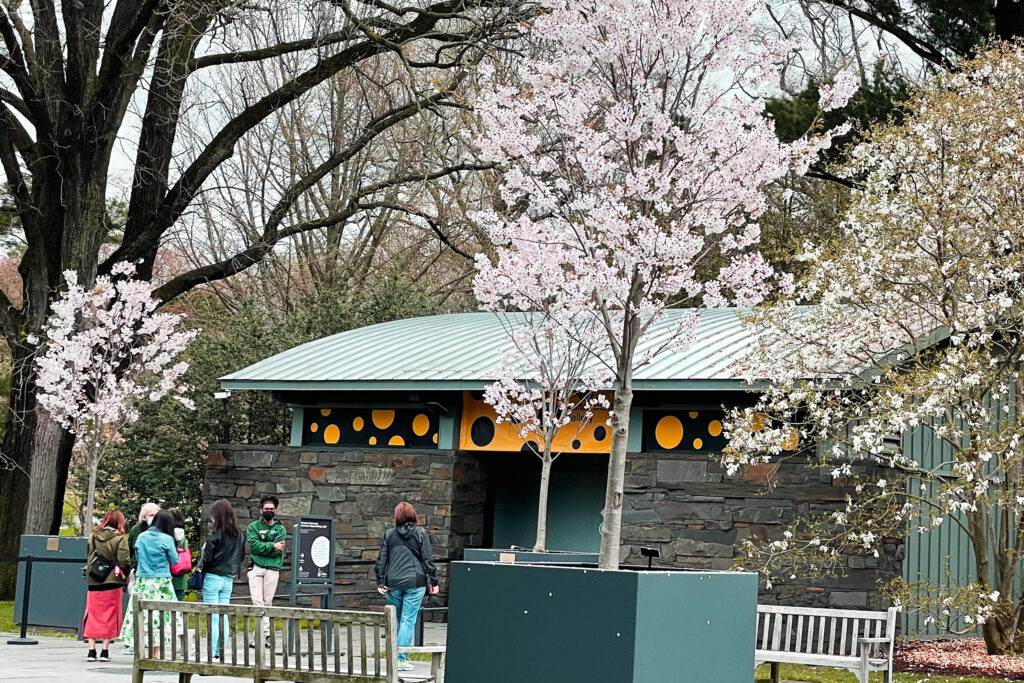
(224, 521)
(113, 520)
(179, 517)
(164, 521)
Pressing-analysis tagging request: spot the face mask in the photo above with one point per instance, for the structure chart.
(149, 520)
(179, 534)
(268, 515)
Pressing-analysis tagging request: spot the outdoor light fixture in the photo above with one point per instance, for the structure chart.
(650, 554)
(221, 395)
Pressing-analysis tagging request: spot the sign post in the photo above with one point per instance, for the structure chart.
(312, 562)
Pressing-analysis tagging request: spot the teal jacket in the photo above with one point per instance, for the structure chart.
(156, 553)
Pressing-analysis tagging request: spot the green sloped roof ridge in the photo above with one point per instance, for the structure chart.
(462, 350)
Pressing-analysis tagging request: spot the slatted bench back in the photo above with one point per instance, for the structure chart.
(326, 646)
(820, 631)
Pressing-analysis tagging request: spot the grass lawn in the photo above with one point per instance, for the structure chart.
(809, 674)
(7, 622)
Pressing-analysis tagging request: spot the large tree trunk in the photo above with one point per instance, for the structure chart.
(611, 528)
(18, 442)
(31, 499)
(542, 501)
(51, 461)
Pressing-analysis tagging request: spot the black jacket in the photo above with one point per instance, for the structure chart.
(398, 566)
(223, 555)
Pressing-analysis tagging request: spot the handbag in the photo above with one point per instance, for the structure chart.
(184, 563)
(195, 582)
(99, 566)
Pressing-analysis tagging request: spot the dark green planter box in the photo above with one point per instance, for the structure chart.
(510, 623)
(528, 556)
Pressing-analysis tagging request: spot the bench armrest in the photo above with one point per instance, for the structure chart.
(869, 647)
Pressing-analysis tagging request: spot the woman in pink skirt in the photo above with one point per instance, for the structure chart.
(105, 575)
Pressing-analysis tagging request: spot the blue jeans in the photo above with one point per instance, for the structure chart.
(217, 589)
(407, 604)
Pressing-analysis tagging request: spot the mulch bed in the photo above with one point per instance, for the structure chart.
(964, 657)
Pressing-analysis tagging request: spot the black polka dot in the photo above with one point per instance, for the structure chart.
(529, 447)
(600, 433)
(481, 433)
(576, 444)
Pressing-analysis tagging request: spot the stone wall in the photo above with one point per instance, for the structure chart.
(359, 489)
(688, 507)
(682, 503)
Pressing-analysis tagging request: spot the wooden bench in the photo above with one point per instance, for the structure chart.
(857, 640)
(327, 646)
(437, 654)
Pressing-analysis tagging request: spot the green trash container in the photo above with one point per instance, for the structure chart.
(58, 588)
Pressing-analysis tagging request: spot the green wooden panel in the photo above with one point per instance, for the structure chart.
(295, 437)
(446, 433)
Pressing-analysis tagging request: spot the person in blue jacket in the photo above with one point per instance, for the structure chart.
(156, 553)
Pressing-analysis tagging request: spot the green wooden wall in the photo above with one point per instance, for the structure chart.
(944, 556)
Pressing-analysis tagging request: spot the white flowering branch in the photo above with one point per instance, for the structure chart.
(107, 351)
(914, 331)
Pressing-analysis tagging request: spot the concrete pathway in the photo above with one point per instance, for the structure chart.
(63, 659)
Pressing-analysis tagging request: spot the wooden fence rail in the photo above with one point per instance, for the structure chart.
(314, 645)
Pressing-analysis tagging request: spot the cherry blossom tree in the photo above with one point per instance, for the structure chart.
(916, 333)
(635, 152)
(107, 351)
(548, 388)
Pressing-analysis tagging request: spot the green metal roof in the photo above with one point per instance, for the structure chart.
(461, 351)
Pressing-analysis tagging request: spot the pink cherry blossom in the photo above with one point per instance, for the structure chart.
(634, 152)
(107, 351)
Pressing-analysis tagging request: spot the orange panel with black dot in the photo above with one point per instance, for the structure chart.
(360, 427)
(683, 430)
(481, 431)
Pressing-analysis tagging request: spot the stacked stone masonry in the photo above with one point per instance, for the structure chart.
(697, 515)
(683, 504)
(359, 489)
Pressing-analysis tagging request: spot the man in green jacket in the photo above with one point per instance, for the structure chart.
(266, 549)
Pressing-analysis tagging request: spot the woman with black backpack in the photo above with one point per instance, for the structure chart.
(405, 569)
(105, 573)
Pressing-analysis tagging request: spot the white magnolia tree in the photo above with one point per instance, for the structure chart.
(917, 332)
(635, 151)
(107, 351)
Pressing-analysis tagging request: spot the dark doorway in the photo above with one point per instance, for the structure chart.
(574, 504)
